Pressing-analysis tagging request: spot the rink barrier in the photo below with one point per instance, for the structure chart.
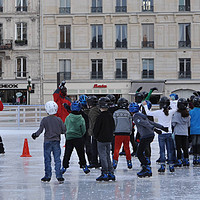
(22, 115)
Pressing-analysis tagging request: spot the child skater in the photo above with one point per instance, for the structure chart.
(164, 117)
(195, 130)
(75, 125)
(123, 129)
(180, 126)
(146, 130)
(53, 128)
(103, 132)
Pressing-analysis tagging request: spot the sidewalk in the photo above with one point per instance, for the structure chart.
(20, 177)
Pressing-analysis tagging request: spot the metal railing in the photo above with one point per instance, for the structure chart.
(22, 115)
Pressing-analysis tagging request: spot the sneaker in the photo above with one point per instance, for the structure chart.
(111, 176)
(129, 164)
(115, 164)
(103, 177)
(63, 170)
(85, 169)
(162, 168)
(45, 179)
(61, 180)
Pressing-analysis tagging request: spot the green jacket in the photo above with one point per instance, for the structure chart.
(75, 125)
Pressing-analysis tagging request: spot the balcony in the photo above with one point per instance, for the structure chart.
(96, 9)
(64, 45)
(121, 9)
(121, 74)
(148, 74)
(147, 8)
(6, 45)
(184, 8)
(96, 75)
(63, 76)
(64, 10)
(96, 45)
(184, 44)
(184, 74)
(21, 42)
(147, 44)
(122, 44)
(21, 8)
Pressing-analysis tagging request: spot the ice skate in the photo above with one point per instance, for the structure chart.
(162, 168)
(103, 177)
(63, 170)
(195, 161)
(129, 164)
(186, 162)
(111, 176)
(45, 179)
(178, 163)
(146, 171)
(85, 169)
(171, 168)
(115, 164)
(60, 180)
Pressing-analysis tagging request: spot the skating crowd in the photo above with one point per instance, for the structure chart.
(97, 128)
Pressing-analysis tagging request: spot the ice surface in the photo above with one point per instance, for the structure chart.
(20, 177)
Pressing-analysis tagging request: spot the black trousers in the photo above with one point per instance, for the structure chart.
(78, 144)
(196, 144)
(181, 144)
(88, 147)
(95, 154)
(144, 143)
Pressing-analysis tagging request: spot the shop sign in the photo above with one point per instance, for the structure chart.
(8, 85)
(99, 86)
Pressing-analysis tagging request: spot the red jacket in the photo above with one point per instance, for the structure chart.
(1, 106)
(60, 100)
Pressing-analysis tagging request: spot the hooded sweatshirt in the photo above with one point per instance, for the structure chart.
(75, 125)
(180, 124)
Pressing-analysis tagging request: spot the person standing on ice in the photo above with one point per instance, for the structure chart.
(146, 129)
(54, 127)
(1, 142)
(63, 102)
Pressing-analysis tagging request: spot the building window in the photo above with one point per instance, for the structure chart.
(121, 36)
(147, 5)
(1, 5)
(121, 6)
(1, 33)
(21, 67)
(184, 36)
(148, 36)
(97, 41)
(97, 69)
(184, 5)
(65, 7)
(121, 69)
(21, 5)
(96, 6)
(185, 69)
(64, 70)
(21, 34)
(147, 68)
(65, 37)
(1, 68)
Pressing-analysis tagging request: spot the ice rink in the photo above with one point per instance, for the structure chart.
(20, 176)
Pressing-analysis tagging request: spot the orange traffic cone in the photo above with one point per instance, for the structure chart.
(25, 149)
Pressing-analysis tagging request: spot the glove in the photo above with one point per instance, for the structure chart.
(34, 136)
(158, 131)
(165, 129)
(67, 107)
(139, 89)
(154, 88)
(62, 84)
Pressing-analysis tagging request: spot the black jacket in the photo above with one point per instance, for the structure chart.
(104, 127)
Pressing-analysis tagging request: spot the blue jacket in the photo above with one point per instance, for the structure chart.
(194, 121)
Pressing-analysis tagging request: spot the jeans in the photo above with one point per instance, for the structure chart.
(144, 143)
(54, 147)
(104, 154)
(166, 139)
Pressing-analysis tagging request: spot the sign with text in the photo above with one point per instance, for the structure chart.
(99, 86)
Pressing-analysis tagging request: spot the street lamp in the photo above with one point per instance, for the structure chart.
(29, 89)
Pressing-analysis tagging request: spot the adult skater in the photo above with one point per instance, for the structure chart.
(63, 102)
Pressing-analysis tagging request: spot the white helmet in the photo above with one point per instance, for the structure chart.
(51, 107)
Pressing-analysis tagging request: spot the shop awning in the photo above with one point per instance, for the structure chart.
(146, 86)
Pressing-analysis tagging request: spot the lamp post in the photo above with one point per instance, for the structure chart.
(29, 89)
